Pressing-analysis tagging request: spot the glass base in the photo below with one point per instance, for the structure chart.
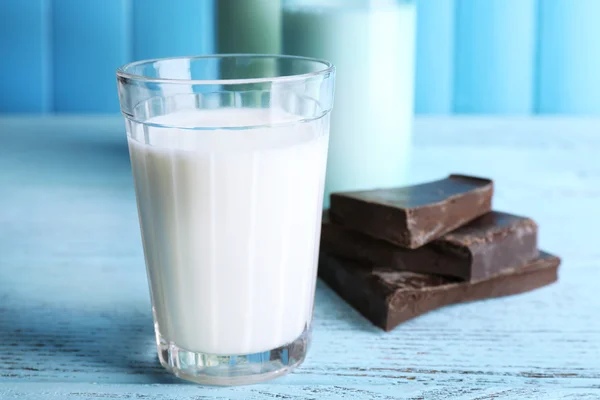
(243, 369)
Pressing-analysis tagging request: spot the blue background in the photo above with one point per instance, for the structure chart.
(513, 57)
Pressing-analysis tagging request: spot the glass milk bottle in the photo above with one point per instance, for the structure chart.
(372, 44)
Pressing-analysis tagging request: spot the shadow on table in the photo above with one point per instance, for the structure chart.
(74, 345)
(332, 309)
(76, 159)
(110, 346)
(89, 154)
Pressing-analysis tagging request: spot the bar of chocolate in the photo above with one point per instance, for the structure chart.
(388, 297)
(414, 215)
(475, 251)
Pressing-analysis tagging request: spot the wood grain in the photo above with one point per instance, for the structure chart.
(75, 318)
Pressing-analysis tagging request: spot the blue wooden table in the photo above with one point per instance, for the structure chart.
(75, 319)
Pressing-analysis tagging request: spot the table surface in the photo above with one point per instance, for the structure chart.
(75, 319)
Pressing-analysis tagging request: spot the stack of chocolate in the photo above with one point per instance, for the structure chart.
(395, 254)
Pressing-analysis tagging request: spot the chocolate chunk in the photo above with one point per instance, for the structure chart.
(414, 215)
(388, 297)
(478, 250)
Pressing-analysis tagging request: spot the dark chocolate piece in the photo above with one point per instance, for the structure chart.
(414, 215)
(388, 297)
(478, 250)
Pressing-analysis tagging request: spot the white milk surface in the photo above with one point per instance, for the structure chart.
(230, 223)
(374, 53)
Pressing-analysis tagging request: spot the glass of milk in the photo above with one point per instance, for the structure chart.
(228, 156)
(372, 44)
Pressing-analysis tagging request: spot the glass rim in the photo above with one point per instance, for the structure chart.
(328, 68)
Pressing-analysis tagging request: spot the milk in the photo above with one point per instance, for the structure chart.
(373, 51)
(230, 223)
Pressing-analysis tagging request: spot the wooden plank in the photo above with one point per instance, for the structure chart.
(90, 39)
(25, 80)
(568, 60)
(162, 28)
(435, 57)
(494, 56)
(75, 317)
(85, 391)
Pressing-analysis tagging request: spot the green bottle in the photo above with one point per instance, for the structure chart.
(249, 26)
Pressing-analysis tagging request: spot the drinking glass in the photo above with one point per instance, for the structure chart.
(228, 154)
